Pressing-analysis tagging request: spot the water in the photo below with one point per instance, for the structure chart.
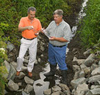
(80, 16)
(43, 82)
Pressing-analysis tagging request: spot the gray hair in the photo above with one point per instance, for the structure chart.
(31, 8)
(58, 12)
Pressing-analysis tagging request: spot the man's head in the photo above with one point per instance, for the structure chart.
(31, 13)
(58, 15)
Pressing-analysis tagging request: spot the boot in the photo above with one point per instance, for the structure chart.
(52, 71)
(64, 76)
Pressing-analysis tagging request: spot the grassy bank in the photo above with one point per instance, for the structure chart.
(90, 25)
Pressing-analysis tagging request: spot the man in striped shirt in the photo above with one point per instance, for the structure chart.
(59, 34)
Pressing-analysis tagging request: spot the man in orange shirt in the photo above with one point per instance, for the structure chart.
(29, 26)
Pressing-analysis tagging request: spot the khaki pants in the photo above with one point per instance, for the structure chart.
(25, 45)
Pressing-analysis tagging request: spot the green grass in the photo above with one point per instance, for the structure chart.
(90, 29)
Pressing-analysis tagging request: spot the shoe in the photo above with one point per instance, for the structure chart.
(17, 73)
(30, 74)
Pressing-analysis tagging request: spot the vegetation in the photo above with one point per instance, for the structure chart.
(90, 28)
(13, 10)
(3, 70)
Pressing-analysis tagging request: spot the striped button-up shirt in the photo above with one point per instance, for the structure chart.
(61, 30)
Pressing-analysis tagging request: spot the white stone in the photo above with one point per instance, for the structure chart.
(21, 75)
(87, 52)
(28, 80)
(28, 88)
(82, 74)
(56, 88)
(96, 71)
(94, 79)
(89, 60)
(76, 82)
(56, 93)
(47, 92)
(95, 91)
(81, 89)
(79, 61)
(65, 88)
(76, 68)
(13, 86)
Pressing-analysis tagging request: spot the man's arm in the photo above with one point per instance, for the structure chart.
(24, 28)
(60, 39)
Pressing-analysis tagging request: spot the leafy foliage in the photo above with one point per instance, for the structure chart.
(3, 69)
(2, 79)
(90, 29)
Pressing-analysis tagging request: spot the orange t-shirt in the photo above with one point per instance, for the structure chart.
(29, 34)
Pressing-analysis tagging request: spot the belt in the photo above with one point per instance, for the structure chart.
(29, 39)
(59, 46)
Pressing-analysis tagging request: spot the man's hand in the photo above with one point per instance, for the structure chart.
(42, 30)
(30, 27)
(24, 28)
(52, 38)
(60, 39)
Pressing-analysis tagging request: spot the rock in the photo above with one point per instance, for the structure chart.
(93, 66)
(82, 66)
(98, 82)
(65, 88)
(42, 55)
(14, 64)
(8, 68)
(39, 59)
(79, 61)
(26, 60)
(98, 52)
(94, 79)
(12, 73)
(76, 82)
(56, 88)
(28, 88)
(81, 74)
(27, 57)
(95, 86)
(10, 46)
(24, 93)
(21, 75)
(76, 68)
(10, 54)
(28, 80)
(76, 75)
(81, 89)
(56, 93)
(99, 63)
(87, 70)
(12, 86)
(24, 68)
(47, 92)
(19, 84)
(87, 52)
(95, 91)
(42, 48)
(88, 62)
(96, 71)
